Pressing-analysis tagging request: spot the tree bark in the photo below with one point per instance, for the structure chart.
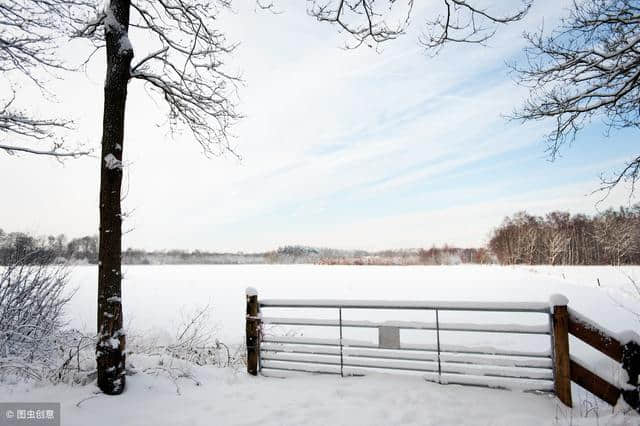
(110, 350)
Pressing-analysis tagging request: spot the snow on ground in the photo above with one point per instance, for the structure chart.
(225, 397)
(155, 296)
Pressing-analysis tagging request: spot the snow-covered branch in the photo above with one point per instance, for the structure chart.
(187, 70)
(19, 124)
(371, 22)
(363, 20)
(56, 151)
(30, 33)
(467, 22)
(588, 68)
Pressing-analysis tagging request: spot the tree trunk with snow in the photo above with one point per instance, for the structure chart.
(187, 73)
(110, 350)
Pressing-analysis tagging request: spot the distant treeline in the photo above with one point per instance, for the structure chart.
(303, 254)
(18, 245)
(611, 237)
(433, 256)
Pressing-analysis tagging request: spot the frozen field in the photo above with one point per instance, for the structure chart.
(155, 297)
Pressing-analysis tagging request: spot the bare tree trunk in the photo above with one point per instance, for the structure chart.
(110, 350)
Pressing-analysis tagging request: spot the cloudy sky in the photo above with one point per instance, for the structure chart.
(339, 148)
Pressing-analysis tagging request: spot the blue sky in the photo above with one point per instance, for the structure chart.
(339, 148)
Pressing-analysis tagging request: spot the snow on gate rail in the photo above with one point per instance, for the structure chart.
(443, 363)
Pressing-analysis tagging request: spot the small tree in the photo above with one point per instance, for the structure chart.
(587, 68)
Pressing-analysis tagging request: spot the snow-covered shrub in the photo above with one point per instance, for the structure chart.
(32, 299)
(194, 341)
(177, 356)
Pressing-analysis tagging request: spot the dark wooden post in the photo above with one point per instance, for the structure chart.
(253, 332)
(561, 360)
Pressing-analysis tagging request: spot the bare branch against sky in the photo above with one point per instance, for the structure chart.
(30, 34)
(371, 22)
(587, 68)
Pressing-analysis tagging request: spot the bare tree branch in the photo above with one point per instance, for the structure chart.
(466, 22)
(588, 68)
(376, 21)
(187, 69)
(363, 20)
(55, 152)
(30, 33)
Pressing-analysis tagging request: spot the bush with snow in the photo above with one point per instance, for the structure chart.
(35, 344)
(194, 341)
(32, 300)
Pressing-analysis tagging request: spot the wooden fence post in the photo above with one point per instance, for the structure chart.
(253, 332)
(561, 359)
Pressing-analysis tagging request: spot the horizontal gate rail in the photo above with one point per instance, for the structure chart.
(594, 383)
(269, 363)
(498, 382)
(413, 356)
(413, 325)
(385, 304)
(418, 365)
(454, 349)
(594, 336)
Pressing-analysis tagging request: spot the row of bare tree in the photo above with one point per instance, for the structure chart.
(21, 246)
(610, 237)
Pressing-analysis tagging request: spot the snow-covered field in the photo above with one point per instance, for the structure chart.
(156, 297)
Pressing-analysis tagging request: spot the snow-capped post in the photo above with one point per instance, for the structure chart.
(253, 332)
(110, 348)
(560, 339)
